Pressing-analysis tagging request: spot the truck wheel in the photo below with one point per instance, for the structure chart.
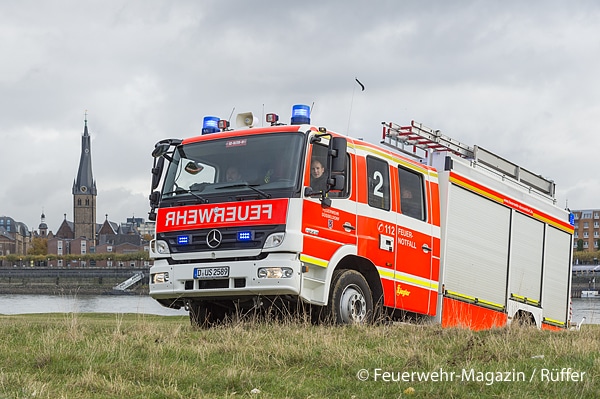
(523, 319)
(203, 314)
(350, 298)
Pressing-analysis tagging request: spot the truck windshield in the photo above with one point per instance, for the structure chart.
(251, 165)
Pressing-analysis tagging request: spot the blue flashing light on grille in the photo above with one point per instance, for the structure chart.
(300, 114)
(183, 240)
(244, 236)
(210, 124)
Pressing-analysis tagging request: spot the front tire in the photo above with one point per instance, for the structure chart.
(350, 298)
(205, 314)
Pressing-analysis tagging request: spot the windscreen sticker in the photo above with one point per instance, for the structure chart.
(235, 143)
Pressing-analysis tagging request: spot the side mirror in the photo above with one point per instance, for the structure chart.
(157, 171)
(338, 152)
(154, 199)
(160, 149)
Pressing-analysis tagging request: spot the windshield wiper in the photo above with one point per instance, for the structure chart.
(251, 187)
(185, 191)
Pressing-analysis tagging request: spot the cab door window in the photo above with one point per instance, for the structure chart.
(412, 189)
(378, 183)
(318, 164)
(319, 172)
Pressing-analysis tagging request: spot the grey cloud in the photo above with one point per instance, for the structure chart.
(518, 78)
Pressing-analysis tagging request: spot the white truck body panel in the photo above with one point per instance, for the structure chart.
(497, 245)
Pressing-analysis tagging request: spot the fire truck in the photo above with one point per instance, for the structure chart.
(419, 226)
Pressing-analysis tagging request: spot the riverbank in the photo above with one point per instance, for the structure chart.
(70, 281)
(584, 282)
(89, 280)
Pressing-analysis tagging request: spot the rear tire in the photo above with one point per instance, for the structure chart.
(350, 298)
(523, 319)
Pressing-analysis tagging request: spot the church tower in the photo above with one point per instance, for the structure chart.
(84, 192)
(43, 227)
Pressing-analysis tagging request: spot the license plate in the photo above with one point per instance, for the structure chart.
(211, 272)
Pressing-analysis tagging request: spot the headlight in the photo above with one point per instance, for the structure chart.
(160, 247)
(275, 272)
(159, 278)
(274, 240)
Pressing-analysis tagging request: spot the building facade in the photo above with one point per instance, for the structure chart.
(15, 237)
(587, 230)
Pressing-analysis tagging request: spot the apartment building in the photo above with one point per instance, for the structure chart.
(587, 230)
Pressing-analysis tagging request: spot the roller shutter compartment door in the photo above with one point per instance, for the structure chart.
(556, 274)
(526, 257)
(476, 247)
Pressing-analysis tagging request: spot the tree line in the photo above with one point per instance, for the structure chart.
(38, 256)
(88, 259)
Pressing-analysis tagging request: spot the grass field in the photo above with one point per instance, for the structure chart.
(142, 356)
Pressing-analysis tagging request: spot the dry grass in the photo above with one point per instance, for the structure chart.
(141, 356)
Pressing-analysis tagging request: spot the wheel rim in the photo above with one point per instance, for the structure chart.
(353, 305)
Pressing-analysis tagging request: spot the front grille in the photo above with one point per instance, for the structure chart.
(211, 284)
(197, 239)
(239, 282)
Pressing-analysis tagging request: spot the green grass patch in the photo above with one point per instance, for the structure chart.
(144, 356)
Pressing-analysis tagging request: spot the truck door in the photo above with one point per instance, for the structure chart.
(327, 228)
(377, 224)
(416, 286)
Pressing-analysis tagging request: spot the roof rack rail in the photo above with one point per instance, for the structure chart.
(428, 140)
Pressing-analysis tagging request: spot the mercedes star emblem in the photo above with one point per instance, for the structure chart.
(213, 239)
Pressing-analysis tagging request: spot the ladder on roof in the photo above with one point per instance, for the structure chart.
(419, 136)
(427, 139)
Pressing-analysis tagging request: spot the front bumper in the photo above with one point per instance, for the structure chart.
(243, 280)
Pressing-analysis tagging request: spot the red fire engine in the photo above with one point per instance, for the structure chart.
(420, 226)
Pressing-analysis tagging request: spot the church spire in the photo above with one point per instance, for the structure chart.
(84, 192)
(84, 183)
(43, 227)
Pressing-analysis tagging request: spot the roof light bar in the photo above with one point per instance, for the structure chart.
(210, 124)
(300, 114)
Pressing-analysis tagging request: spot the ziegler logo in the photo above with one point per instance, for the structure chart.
(214, 238)
(262, 212)
(401, 291)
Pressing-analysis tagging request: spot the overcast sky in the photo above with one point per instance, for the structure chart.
(519, 78)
